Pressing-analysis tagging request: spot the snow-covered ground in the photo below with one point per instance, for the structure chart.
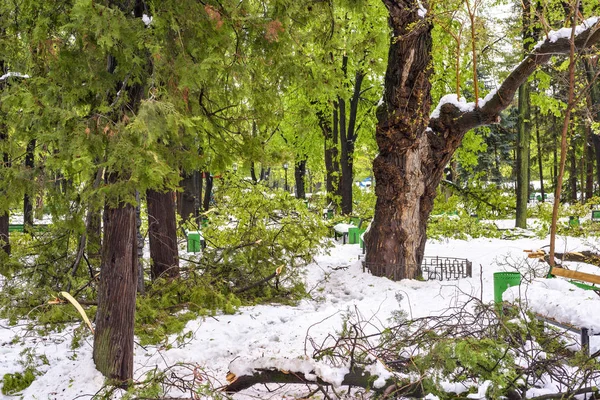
(336, 284)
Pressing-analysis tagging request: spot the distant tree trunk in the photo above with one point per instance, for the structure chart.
(330, 139)
(523, 130)
(299, 175)
(589, 163)
(540, 152)
(113, 339)
(414, 148)
(162, 232)
(347, 139)
(4, 216)
(573, 173)
(141, 286)
(189, 200)
(27, 203)
(555, 153)
(594, 105)
(252, 173)
(208, 191)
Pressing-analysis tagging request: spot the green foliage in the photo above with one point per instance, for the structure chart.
(253, 231)
(17, 382)
(169, 305)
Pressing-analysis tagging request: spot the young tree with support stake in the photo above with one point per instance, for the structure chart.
(415, 145)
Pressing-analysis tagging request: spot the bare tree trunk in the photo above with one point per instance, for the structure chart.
(523, 131)
(27, 203)
(565, 131)
(141, 287)
(189, 201)
(113, 339)
(589, 163)
(4, 216)
(208, 191)
(115, 318)
(573, 174)
(299, 175)
(540, 152)
(162, 230)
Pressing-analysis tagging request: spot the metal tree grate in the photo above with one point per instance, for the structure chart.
(432, 268)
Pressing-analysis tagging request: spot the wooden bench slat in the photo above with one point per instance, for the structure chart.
(582, 276)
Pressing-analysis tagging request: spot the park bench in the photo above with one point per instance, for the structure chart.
(349, 232)
(21, 227)
(582, 280)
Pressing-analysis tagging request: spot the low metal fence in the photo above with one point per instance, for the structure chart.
(432, 268)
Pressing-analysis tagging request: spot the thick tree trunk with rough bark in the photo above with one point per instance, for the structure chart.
(414, 148)
(162, 231)
(115, 318)
(113, 340)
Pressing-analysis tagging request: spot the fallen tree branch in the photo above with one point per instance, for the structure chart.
(358, 377)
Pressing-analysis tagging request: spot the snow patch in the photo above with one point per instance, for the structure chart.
(16, 74)
(560, 300)
(565, 32)
(461, 103)
(453, 99)
(422, 11)
(310, 368)
(146, 19)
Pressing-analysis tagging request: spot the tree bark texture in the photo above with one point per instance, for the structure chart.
(115, 318)
(113, 340)
(414, 148)
(162, 231)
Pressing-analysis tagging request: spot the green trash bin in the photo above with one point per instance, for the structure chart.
(204, 222)
(502, 281)
(353, 235)
(193, 241)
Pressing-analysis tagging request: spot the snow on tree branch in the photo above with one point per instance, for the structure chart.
(459, 116)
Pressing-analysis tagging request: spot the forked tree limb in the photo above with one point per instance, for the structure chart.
(358, 378)
(451, 116)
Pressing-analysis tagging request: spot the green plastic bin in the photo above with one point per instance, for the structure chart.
(193, 242)
(502, 281)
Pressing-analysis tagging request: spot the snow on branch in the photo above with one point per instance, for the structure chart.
(244, 374)
(459, 116)
(13, 74)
